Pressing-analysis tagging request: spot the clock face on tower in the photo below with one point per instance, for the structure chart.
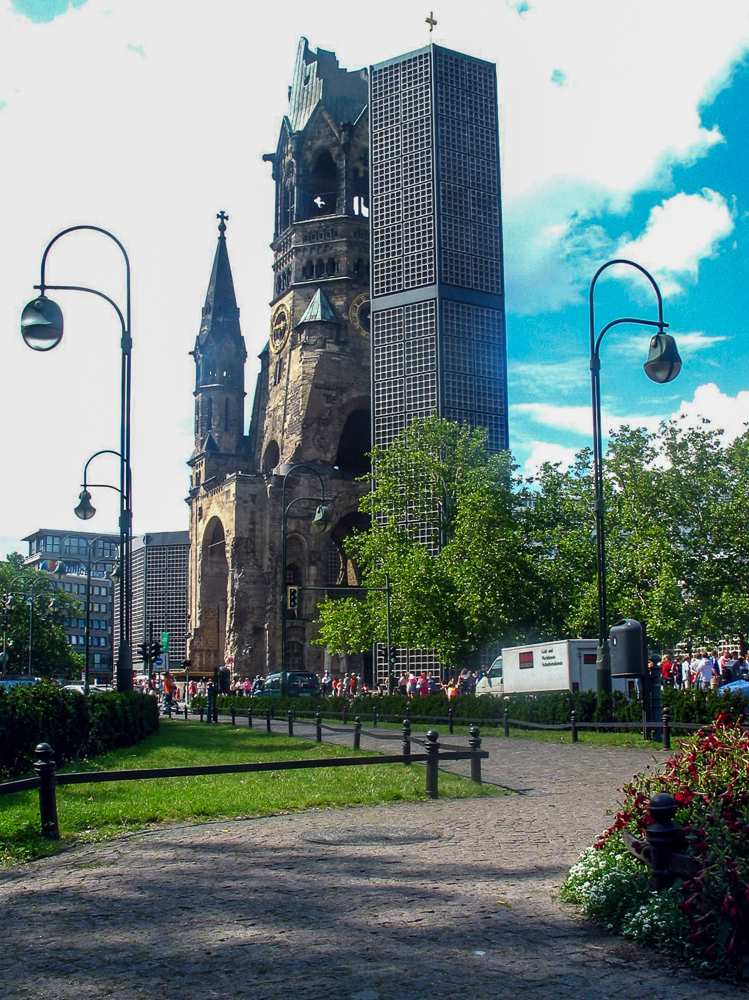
(359, 314)
(280, 326)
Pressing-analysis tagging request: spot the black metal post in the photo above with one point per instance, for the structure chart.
(267, 720)
(663, 836)
(249, 716)
(318, 726)
(45, 769)
(291, 722)
(233, 716)
(201, 714)
(507, 722)
(345, 714)
(406, 740)
(573, 720)
(666, 728)
(209, 702)
(374, 717)
(357, 733)
(450, 721)
(186, 711)
(433, 753)
(474, 744)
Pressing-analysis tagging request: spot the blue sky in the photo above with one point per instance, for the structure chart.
(623, 132)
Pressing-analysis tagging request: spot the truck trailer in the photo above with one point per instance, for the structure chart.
(563, 665)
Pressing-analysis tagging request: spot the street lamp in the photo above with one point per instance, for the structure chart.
(42, 328)
(663, 365)
(10, 604)
(89, 563)
(321, 522)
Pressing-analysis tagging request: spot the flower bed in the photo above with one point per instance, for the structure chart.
(703, 919)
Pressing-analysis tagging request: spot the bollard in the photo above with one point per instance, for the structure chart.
(201, 713)
(169, 709)
(433, 757)
(408, 710)
(663, 836)
(249, 716)
(345, 714)
(507, 722)
(215, 710)
(357, 733)
(450, 715)
(406, 740)
(291, 723)
(318, 726)
(233, 716)
(45, 770)
(374, 717)
(267, 719)
(645, 728)
(209, 703)
(666, 728)
(474, 744)
(185, 713)
(573, 720)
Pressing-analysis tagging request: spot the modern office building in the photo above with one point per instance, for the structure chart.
(82, 552)
(159, 576)
(438, 317)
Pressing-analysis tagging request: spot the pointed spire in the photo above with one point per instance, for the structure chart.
(220, 313)
(319, 310)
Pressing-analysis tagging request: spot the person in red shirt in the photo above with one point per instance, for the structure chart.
(667, 671)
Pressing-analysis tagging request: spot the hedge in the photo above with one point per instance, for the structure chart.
(545, 709)
(75, 726)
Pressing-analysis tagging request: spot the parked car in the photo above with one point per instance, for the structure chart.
(14, 681)
(299, 683)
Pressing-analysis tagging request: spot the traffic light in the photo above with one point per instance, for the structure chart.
(155, 649)
(143, 651)
(292, 598)
(393, 656)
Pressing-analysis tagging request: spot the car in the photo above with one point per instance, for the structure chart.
(300, 684)
(15, 681)
(491, 682)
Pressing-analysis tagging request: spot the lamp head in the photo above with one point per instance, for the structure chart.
(10, 602)
(321, 521)
(41, 324)
(54, 605)
(59, 571)
(116, 573)
(664, 363)
(85, 510)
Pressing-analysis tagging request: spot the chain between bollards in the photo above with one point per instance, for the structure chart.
(357, 733)
(433, 752)
(45, 769)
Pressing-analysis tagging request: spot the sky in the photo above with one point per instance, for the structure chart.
(622, 134)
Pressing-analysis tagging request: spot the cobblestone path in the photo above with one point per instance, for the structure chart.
(401, 902)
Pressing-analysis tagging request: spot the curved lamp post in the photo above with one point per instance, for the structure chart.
(89, 564)
(10, 603)
(321, 522)
(42, 328)
(663, 365)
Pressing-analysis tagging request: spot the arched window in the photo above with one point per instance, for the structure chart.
(309, 270)
(330, 266)
(320, 268)
(323, 186)
(294, 655)
(354, 444)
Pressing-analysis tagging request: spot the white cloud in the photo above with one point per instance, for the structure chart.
(688, 343)
(680, 233)
(543, 451)
(727, 413)
(578, 419)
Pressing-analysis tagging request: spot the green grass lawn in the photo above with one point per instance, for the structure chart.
(93, 812)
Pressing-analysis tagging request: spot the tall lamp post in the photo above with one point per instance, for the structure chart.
(321, 522)
(41, 328)
(663, 365)
(89, 564)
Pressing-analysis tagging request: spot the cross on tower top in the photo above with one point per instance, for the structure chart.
(224, 219)
(431, 22)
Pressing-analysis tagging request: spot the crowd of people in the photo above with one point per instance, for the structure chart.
(704, 670)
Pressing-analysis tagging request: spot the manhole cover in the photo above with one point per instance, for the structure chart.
(372, 835)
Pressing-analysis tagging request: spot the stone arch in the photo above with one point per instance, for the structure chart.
(320, 268)
(214, 585)
(348, 574)
(330, 267)
(309, 270)
(271, 457)
(354, 444)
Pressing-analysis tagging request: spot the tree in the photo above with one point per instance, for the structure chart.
(51, 653)
(444, 529)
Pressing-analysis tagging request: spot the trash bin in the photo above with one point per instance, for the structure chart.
(627, 654)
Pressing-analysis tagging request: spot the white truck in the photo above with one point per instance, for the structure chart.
(564, 665)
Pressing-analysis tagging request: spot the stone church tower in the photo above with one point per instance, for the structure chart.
(311, 406)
